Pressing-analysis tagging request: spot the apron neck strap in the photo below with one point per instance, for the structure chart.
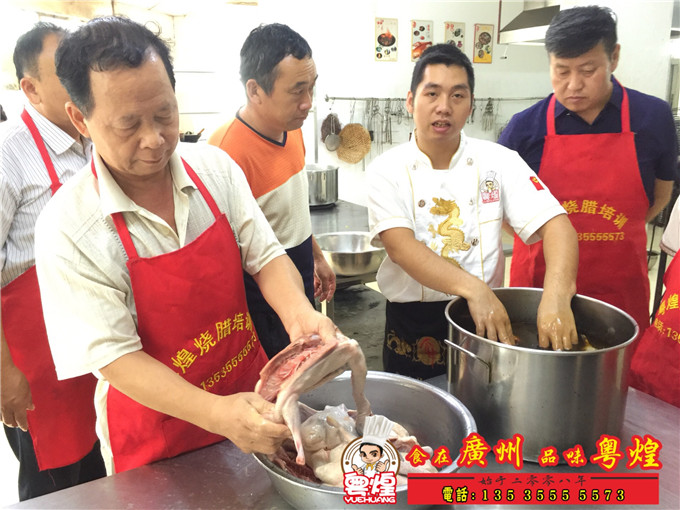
(625, 113)
(625, 110)
(121, 226)
(204, 191)
(33, 129)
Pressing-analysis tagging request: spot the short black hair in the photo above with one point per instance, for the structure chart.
(371, 444)
(30, 45)
(446, 54)
(265, 47)
(105, 44)
(576, 31)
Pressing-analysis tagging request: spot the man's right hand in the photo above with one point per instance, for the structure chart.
(15, 397)
(490, 317)
(245, 419)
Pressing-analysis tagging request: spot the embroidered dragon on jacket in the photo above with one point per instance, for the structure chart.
(453, 238)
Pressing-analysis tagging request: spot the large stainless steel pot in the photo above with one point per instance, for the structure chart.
(434, 416)
(323, 185)
(551, 398)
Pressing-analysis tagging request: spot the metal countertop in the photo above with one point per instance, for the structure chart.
(221, 476)
(339, 217)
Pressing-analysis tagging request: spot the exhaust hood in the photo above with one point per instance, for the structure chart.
(529, 26)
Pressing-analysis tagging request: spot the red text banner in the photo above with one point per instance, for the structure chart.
(533, 488)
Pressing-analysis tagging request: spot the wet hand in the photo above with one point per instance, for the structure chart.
(556, 325)
(490, 317)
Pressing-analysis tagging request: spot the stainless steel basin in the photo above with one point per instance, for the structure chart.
(350, 253)
(434, 416)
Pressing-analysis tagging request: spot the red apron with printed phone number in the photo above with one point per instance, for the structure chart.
(62, 425)
(597, 180)
(192, 316)
(655, 368)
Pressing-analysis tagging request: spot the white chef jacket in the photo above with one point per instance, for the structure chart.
(457, 212)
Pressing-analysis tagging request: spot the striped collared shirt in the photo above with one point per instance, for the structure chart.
(25, 184)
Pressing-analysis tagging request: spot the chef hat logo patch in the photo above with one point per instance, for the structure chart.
(370, 465)
(490, 189)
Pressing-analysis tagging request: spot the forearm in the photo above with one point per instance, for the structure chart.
(5, 357)
(560, 250)
(316, 251)
(427, 267)
(281, 285)
(662, 195)
(154, 385)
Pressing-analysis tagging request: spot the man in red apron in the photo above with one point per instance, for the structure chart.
(50, 424)
(609, 154)
(655, 368)
(140, 263)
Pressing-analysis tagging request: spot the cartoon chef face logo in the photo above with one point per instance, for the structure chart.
(490, 189)
(370, 472)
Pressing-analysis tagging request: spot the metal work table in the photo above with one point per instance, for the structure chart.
(341, 217)
(221, 476)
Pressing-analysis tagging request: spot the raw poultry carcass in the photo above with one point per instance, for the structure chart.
(306, 364)
(326, 434)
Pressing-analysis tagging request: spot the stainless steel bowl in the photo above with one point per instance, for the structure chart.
(434, 416)
(350, 253)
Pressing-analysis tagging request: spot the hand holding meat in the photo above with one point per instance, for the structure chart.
(250, 425)
(310, 322)
(306, 364)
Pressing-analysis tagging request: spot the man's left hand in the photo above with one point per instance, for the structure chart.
(556, 326)
(309, 322)
(324, 280)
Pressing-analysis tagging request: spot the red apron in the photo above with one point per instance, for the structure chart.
(62, 425)
(655, 368)
(192, 316)
(597, 180)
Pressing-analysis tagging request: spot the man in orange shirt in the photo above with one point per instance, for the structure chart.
(265, 140)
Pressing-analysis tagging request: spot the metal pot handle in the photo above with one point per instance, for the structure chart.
(472, 355)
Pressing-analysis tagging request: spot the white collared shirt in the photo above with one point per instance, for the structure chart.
(456, 211)
(25, 184)
(88, 304)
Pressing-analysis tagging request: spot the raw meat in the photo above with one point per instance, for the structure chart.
(304, 365)
(326, 434)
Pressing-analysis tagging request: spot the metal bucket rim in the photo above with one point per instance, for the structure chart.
(313, 167)
(469, 425)
(548, 352)
(367, 235)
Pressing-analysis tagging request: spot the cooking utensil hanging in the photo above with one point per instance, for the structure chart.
(388, 122)
(488, 116)
(471, 118)
(329, 131)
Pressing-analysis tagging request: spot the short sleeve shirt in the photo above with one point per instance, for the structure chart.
(458, 212)
(87, 298)
(651, 120)
(25, 184)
